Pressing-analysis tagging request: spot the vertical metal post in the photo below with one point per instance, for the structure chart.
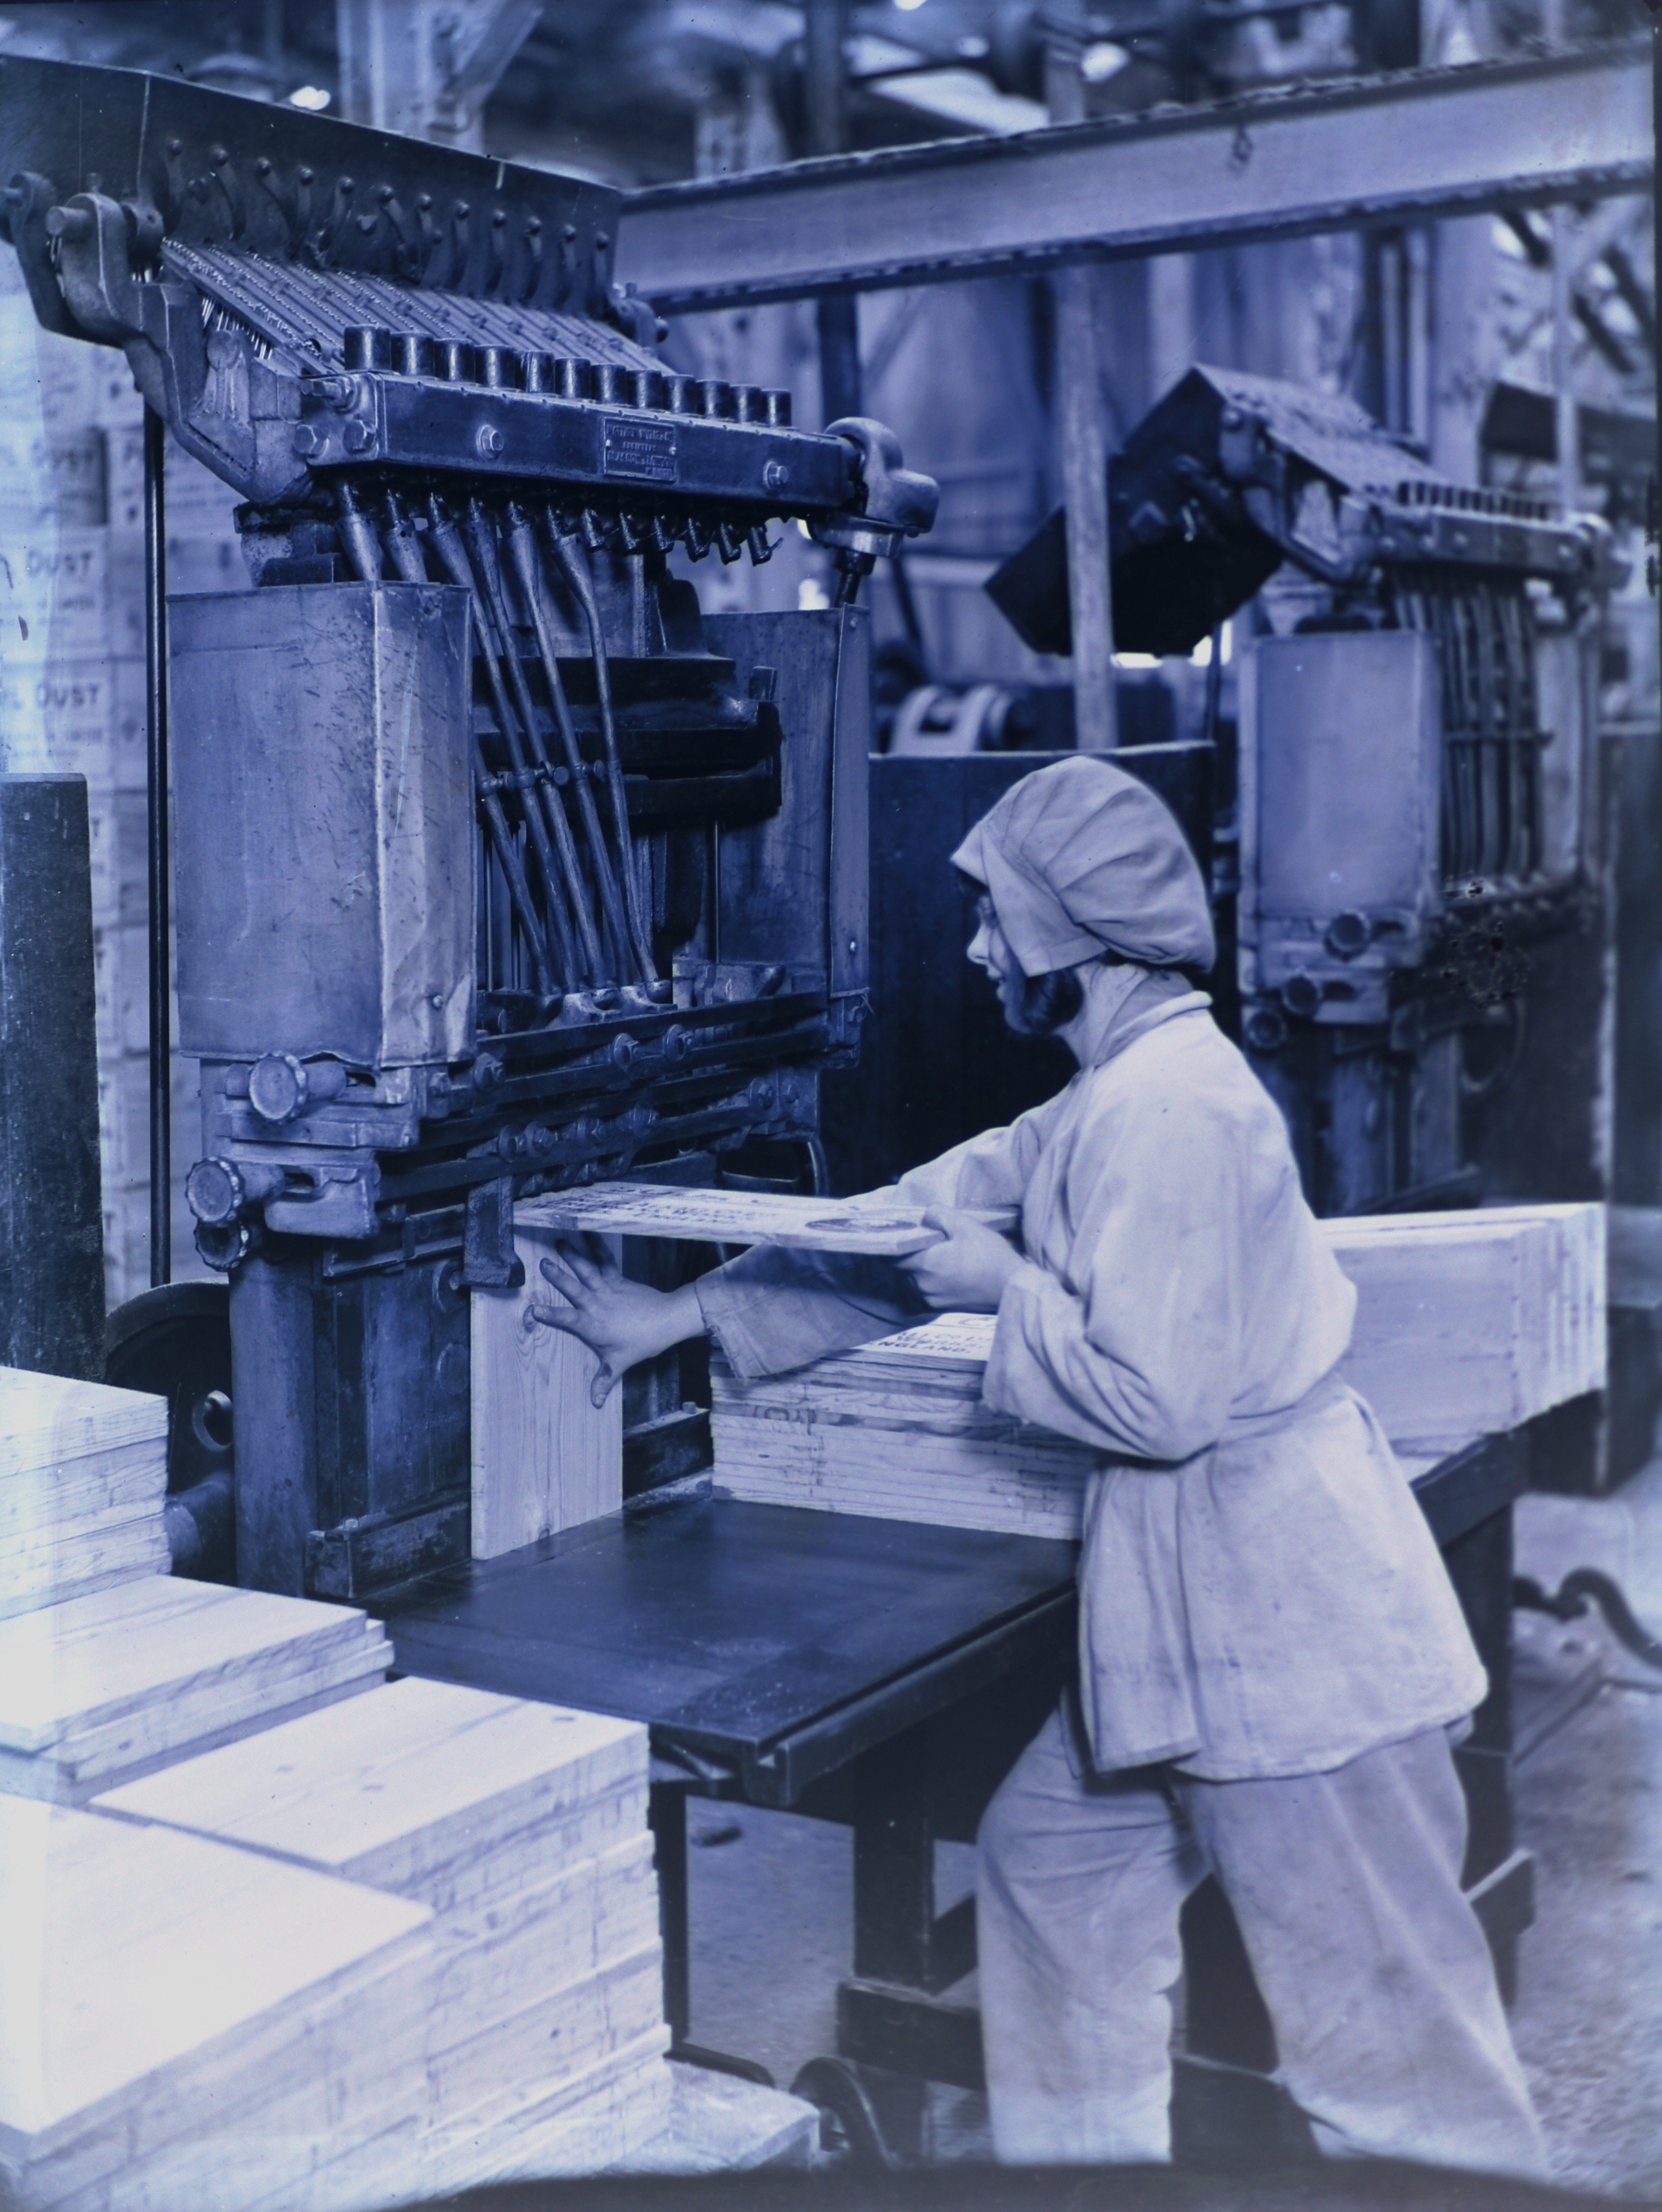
(1567, 422)
(155, 756)
(825, 106)
(1084, 440)
(667, 1817)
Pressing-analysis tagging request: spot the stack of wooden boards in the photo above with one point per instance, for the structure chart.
(103, 1687)
(1466, 1323)
(183, 2024)
(521, 1829)
(83, 1475)
(315, 1943)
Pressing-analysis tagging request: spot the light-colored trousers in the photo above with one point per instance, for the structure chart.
(1345, 1887)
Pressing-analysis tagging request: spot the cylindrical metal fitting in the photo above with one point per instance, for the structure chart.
(365, 346)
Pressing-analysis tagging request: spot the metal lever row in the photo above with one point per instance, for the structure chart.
(580, 915)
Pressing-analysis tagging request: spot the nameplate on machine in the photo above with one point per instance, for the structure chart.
(645, 451)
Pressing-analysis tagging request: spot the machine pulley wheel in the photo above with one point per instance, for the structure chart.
(849, 2132)
(175, 1342)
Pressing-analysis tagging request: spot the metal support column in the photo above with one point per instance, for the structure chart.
(1084, 436)
(155, 755)
(826, 104)
(51, 1243)
(1568, 429)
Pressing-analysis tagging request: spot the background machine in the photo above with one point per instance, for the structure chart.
(497, 867)
(1411, 865)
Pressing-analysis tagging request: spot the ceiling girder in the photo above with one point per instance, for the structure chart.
(1573, 126)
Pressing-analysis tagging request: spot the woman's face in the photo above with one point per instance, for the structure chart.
(989, 949)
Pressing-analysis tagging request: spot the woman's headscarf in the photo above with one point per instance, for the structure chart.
(1081, 857)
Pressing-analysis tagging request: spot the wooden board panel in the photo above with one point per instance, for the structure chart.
(742, 1217)
(93, 1558)
(542, 1457)
(598, 2118)
(154, 1977)
(45, 1420)
(559, 2031)
(83, 1479)
(392, 1787)
(74, 1667)
(99, 1688)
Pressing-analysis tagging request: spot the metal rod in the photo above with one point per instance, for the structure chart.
(482, 542)
(406, 549)
(446, 542)
(837, 318)
(1082, 435)
(571, 557)
(1566, 415)
(907, 605)
(1213, 686)
(523, 547)
(1084, 443)
(155, 759)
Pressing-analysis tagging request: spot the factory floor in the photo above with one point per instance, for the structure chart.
(772, 1893)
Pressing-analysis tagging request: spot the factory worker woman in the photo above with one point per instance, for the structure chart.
(1272, 1660)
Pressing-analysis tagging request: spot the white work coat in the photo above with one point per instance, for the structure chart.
(1260, 1593)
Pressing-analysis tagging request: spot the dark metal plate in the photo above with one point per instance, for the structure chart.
(731, 1629)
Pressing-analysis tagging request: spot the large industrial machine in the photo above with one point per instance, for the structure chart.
(1418, 903)
(497, 866)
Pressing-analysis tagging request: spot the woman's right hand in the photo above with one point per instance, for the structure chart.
(620, 1321)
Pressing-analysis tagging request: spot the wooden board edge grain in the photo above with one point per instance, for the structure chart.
(542, 1458)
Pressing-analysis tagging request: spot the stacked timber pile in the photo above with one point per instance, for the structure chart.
(522, 1827)
(99, 1689)
(1471, 1322)
(898, 1430)
(1466, 1324)
(183, 2024)
(83, 1476)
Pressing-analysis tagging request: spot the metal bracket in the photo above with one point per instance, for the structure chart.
(489, 1260)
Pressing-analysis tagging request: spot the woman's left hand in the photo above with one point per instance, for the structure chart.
(966, 1272)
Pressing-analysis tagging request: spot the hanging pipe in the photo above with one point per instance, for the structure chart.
(523, 547)
(482, 544)
(448, 545)
(407, 558)
(404, 544)
(356, 532)
(571, 558)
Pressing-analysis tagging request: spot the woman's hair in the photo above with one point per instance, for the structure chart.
(1048, 1002)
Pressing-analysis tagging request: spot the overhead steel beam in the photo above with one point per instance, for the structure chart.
(1411, 147)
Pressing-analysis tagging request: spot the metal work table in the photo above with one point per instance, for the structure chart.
(764, 1646)
(885, 1674)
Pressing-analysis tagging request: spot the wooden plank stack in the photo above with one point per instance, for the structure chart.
(104, 1687)
(1466, 1323)
(185, 2024)
(898, 1430)
(83, 1476)
(522, 1828)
